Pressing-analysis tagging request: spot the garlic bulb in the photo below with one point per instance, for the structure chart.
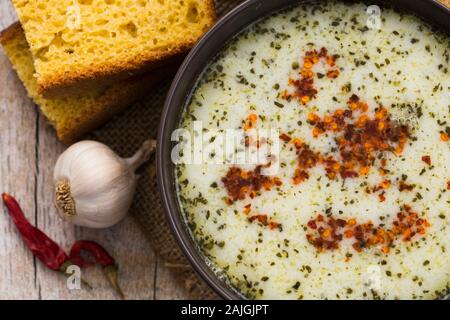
(94, 187)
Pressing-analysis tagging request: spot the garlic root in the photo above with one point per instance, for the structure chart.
(94, 187)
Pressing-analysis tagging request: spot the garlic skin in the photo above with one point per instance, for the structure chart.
(94, 187)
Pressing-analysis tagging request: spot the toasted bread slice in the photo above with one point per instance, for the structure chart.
(77, 115)
(77, 42)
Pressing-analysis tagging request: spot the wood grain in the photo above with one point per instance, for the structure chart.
(17, 158)
(125, 241)
(28, 153)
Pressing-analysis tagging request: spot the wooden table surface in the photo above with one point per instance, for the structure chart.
(28, 152)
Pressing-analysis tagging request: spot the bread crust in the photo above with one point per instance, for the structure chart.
(107, 73)
(104, 73)
(10, 32)
(110, 103)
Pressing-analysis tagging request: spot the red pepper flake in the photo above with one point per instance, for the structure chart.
(333, 74)
(348, 174)
(250, 122)
(304, 87)
(261, 218)
(362, 140)
(312, 224)
(285, 137)
(427, 160)
(355, 104)
(385, 184)
(240, 183)
(348, 233)
(331, 60)
(265, 221)
(448, 185)
(385, 250)
(357, 247)
(307, 159)
(327, 233)
(274, 225)
(404, 186)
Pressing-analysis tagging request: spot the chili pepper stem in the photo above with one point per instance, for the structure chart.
(101, 256)
(86, 284)
(111, 273)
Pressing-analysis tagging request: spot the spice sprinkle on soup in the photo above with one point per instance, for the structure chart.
(359, 205)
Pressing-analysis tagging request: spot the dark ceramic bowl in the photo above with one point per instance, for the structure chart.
(182, 86)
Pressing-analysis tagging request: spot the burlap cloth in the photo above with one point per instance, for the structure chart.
(125, 134)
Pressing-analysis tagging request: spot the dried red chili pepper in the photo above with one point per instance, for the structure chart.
(43, 248)
(102, 257)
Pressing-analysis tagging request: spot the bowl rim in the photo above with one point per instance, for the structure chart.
(178, 91)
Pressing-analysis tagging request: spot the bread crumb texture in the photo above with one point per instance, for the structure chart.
(76, 40)
(76, 115)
